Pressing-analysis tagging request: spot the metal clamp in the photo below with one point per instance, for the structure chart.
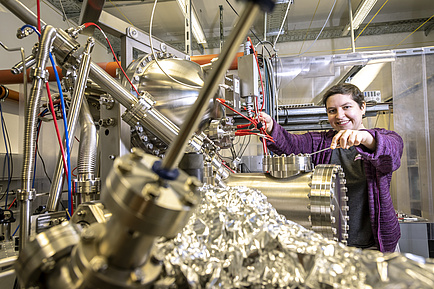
(139, 109)
(39, 73)
(23, 195)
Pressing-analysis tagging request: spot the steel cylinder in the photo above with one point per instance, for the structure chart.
(316, 200)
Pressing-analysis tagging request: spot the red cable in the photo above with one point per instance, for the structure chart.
(253, 133)
(10, 206)
(72, 173)
(111, 48)
(62, 150)
(222, 101)
(253, 121)
(229, 168)
(244, 125)
(38, 5)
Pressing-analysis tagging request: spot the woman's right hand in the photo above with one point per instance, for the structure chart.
(267, 121)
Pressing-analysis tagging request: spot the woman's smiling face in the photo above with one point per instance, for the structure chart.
(344, 113)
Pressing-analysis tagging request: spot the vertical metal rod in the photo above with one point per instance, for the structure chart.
(221, 27)
(350, 10)
(188, 29)
(177, 148)
(265, 25)
(77, 99)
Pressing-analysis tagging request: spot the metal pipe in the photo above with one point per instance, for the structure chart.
(77, 99)
(19, 67)
(87, 186)
(31, 124)
(123, 248)
(289, 196)
(22, 12)
(7, 273)
(350, 10)
(8, 261)
(103, 79)
(88, 143)
(177, 148)
(154, 120)
(23, 65)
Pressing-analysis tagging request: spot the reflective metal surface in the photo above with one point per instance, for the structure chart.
(166, 96)
(315, 200)
(171, 99)
(90, 213)
(40, 254)
(236, 239)
(285, 166)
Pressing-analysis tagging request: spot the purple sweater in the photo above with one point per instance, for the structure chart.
(379, 165)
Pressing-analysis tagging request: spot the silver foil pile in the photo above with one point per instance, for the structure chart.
(236, 239)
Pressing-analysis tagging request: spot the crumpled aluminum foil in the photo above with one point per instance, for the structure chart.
(236, 239)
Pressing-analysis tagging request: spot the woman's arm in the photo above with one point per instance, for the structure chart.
(285, 142)
(386, 156)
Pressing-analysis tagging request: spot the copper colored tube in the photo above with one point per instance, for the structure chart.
(6, 76)
(9, 94)
(205, 59)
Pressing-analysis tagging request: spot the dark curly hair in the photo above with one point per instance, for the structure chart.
(347, 89)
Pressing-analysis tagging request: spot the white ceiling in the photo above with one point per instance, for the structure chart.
(396, 16)
(169, 23)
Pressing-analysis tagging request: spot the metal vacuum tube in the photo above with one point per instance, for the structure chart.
(115, 254)
(313, 197)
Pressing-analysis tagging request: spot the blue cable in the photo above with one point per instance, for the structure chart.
(15, 230)
(62, 101)
(32, 27)
(68, 154)
(7, 156)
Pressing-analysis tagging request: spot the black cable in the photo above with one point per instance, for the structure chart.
(241, 146)
(227, 1)
(10, 148)
(39, 154)
(234, 155)
(244, 150)
(11, 163)
(43, 165)
(246, 168)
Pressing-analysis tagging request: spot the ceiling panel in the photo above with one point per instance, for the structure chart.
(168, 23)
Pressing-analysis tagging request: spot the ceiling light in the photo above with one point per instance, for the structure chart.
(362, 11)
(195, 25)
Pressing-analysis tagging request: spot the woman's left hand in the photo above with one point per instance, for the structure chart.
(348, 138)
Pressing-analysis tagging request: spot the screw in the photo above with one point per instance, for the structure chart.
(98, 264)
(88, 235)
(133, 32)
(138, 276)
(81, 213)
(125, 167)
(47, 264)
(136, 154)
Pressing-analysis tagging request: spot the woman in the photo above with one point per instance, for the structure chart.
(367, 156)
